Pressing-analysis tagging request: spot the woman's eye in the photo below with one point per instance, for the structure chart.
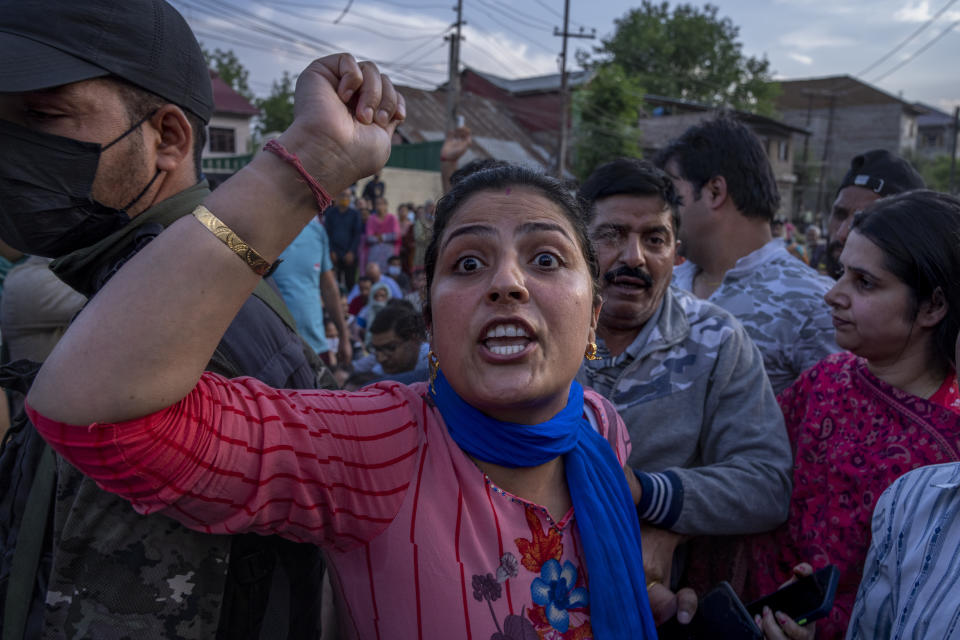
(467, 264)
(546, 260)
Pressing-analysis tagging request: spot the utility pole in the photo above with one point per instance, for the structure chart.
(951, 185)
(564, 91)
(453, 83)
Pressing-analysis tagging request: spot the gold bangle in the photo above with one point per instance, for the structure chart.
(651, 584)
(226, 235)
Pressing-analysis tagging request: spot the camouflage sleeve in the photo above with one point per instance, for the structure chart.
(744, 482)
(816, 339)
(316, 466)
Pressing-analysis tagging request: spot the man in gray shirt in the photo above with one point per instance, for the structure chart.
(687, 380)
(729, 196)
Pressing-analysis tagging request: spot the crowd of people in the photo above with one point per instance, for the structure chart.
(284, 409)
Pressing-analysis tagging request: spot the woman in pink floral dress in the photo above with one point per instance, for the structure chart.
(490, 503)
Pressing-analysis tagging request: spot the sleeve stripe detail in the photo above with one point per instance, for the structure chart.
(662, 497)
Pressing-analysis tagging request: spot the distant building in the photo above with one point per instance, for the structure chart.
(936, 132)
(228, 146)
(667, 118)
(845, 116)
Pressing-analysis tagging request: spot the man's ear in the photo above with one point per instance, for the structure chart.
(715, 191)
(174, 139)
(933, 311)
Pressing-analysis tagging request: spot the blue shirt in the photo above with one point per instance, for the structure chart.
(911, 579)
(298, 279)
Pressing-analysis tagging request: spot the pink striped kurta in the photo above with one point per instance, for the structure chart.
(421, 543)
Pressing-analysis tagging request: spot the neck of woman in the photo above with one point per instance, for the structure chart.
(917, 372)
(545, 484)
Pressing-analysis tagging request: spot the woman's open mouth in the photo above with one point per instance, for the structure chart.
(506, 339)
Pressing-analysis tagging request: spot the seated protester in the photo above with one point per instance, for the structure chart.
(419, 281)
(857, 421)
(684, 375)
(372, 271)
(379, 294)
(395, 271)
(359, 301)
(398, 340)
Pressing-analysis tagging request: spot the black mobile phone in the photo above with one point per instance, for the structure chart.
(720, 614)
(809, 598)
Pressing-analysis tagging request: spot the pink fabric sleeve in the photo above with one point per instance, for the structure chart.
(327, 467)
(611, 424)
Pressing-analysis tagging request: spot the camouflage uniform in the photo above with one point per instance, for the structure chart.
(111, 573)
(702, 417)
(779, 300)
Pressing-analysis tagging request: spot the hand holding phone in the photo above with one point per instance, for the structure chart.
(809, 598)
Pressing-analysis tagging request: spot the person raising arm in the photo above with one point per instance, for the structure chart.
(145, 352)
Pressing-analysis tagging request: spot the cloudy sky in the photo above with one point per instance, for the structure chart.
(906, 47)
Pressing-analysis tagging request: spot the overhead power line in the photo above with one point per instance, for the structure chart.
(906, 40)
(918, 51)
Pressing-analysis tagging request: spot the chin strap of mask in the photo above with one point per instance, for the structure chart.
(142, 192)
(134, 127)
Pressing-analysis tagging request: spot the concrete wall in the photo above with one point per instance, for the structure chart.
(855, 129)
(407, 185)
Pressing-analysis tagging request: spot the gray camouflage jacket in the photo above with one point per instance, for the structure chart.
(779, 301)
(702, 418)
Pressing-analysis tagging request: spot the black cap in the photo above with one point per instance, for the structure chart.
(882, 172)
(48, 43)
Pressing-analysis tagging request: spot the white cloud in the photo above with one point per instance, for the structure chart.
(920, 12)
(948, 104)
(799, 57)
(913, 12)
(810, 39)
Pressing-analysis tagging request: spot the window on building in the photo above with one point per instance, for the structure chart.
(222, 140)
(783, 150)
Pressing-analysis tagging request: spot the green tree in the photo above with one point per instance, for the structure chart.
(687, 52)
(230, 70)
(605, 117)
(935, 171)
(276, 110)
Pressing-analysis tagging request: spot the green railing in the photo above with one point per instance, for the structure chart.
(419, 155)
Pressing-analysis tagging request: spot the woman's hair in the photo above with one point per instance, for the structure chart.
(919, 234)
(497, 178)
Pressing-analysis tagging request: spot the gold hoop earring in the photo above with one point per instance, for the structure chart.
(434, 363)
(591, 353)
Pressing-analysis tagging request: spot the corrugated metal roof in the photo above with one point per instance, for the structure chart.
(846, 90)
(534, 84)
(495, 133)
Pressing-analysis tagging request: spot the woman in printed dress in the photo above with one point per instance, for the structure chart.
(490, 503)
(861, 419)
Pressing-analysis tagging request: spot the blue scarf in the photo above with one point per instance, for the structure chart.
(605, 513)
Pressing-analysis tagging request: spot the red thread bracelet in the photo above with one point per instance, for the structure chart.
(323, 198)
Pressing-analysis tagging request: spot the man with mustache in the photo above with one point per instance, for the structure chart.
(685, 376)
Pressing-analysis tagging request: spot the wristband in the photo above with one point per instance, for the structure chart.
(226, 235)
(319, 193)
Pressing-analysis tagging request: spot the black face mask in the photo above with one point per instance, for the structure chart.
(46, 206)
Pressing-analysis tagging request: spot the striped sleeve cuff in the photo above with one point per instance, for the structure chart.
(661, 499)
